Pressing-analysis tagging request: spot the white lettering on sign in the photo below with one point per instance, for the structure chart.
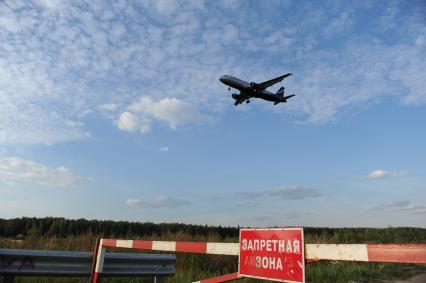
(288, 246)
(264, 262)
(269, 263)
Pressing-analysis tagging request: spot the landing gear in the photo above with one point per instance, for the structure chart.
(229, 88)
(247, 101)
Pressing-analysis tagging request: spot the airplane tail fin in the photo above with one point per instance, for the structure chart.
(280, 92)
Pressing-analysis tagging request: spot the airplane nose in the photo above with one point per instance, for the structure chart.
(222, 79)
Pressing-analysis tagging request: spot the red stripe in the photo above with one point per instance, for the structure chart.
(191, 247)
(308, 260)
(96, 278)
(142, 245)
(95, 259)
(223, 278)
(403, 253)
(109, 243)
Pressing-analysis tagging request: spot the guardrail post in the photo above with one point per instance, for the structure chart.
(158, 279)
(9, 279)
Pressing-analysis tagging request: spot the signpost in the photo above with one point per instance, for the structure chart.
(272, 254)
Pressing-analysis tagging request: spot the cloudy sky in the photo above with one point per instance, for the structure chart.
(113, 110)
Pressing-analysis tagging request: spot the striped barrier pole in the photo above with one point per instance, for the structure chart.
(398, 253)
(171, 246)
(220, 279)
(99, 263)
(95, 259)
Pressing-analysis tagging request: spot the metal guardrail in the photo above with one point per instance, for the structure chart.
(17, 262)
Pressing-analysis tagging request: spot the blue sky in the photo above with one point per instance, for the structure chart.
(113, 110)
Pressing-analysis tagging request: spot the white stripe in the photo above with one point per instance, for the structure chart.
(223, 248)
(197, 282)
(356, 252)
(164, 246)
(124, 244)
(100, 258)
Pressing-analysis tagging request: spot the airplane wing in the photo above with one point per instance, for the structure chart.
(269, 83)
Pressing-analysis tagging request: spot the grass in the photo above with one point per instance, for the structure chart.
(341, 271)
(195, 267)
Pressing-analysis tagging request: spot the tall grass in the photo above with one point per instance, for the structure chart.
(195, 267)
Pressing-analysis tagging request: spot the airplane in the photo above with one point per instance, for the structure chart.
(256, 90)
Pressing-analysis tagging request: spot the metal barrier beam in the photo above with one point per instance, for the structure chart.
(17, 262)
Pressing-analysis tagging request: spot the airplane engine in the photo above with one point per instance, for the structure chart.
(235, 96)
(254, 86)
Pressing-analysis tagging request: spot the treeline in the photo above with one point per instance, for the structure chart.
(61, 227)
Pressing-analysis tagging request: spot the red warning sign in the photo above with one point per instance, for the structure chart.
(272, 254)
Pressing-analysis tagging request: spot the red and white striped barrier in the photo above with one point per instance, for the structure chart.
(167, 246)
(398, 253)
(171, 246)
(98, 262)
(402, 253)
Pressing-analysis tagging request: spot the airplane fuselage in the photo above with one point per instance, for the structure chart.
(249, 90)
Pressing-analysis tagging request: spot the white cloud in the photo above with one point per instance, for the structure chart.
(51, 4)
(132, 123)
(164, 148)
(380, 174)
(285, 192)
(279, 40)
(400, 206)
(421, 40)
(163, 8)
(230, 4)
(74, 123)
(388, 19)
(60, 62)
(294, 192)
(172, 111)
(108, 106)
(24, 118)
(338, 26)
(329, 90)
(18, 170)
(158, 202)
(92, 55)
